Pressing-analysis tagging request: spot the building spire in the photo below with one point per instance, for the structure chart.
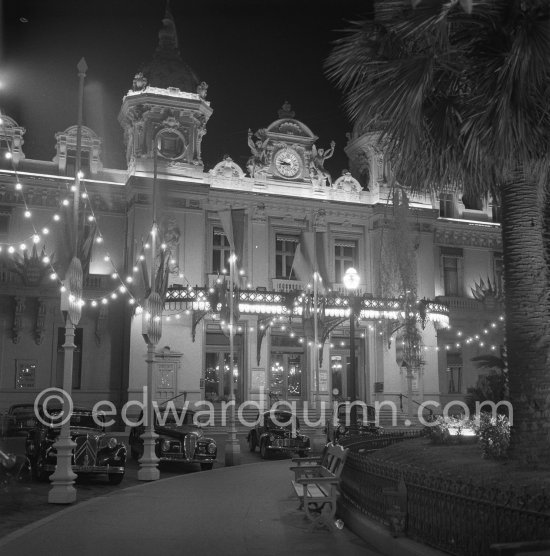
(168, 36)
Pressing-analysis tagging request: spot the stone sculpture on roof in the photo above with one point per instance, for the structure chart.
(257, 164)
(317, 165)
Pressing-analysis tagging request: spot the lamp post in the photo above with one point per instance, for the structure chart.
(63, 491)
(351, 282)
(151, 332)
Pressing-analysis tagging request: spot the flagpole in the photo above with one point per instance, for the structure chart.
(316, 338)
(232, 448)
(315, 326)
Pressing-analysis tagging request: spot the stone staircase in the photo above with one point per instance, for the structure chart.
(310, 419)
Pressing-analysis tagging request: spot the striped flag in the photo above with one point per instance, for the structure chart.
(311, 255)
(232, 221)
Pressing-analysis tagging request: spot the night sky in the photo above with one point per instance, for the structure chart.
(254, 55)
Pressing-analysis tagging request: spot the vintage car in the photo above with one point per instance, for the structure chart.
(340, 425)
(96, 452)
(20, 419)
(278, 431)
(180, 439)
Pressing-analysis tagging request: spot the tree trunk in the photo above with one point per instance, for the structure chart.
(527, 320)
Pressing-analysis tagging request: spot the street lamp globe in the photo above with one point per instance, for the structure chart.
(351, 279)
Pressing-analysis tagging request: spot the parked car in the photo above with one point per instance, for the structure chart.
(278, 431)
(95, 452)
(339, 426)
(180, 440)
(20, 419)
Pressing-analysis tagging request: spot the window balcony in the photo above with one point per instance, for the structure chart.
(462, 304)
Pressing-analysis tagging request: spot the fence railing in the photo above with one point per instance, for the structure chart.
(457, 517)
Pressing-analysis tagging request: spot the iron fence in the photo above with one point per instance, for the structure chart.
(454, 516)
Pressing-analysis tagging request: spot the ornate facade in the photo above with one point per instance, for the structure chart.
(453, 251)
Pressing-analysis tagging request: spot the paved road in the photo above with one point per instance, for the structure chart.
(246, 510)
(29, 506)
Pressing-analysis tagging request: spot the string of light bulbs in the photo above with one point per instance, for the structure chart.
(56, 218)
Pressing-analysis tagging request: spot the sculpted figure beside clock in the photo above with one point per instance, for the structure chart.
(317, 165)
(257, 163)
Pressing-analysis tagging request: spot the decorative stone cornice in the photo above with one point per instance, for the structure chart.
(474, 236)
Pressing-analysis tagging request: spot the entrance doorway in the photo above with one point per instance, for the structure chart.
(286, 376)
(340, 371)
(220, 377)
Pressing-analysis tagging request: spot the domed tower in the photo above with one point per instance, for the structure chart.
(367, 161)
(166, 111)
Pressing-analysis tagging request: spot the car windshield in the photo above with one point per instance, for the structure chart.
(281, 419)
(167, 417)
(343, 410)
(22, 410)
(80, 420)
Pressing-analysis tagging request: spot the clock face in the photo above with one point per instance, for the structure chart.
(287, 163)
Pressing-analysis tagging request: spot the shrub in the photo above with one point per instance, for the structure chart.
(447, 430)
(494, 436)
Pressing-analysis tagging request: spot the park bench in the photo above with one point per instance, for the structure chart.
(313, 461)
(316, 485)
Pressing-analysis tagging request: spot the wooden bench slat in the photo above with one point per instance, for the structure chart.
(313, 490)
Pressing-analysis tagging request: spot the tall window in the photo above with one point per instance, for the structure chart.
(495, 211)
(472, 202)
(446, 205)
(220, 251)
(451, 275)
(5, 215)
(70, 169)
(454, 372)
(285, 247)
(345, 256)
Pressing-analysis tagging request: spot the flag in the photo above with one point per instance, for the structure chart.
(311, 256)
(232, 221)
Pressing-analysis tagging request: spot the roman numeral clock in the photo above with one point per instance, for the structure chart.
(288, 162)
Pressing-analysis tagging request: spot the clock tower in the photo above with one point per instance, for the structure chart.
(283, 150)
(165, 113)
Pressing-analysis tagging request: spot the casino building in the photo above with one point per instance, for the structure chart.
(424, 263)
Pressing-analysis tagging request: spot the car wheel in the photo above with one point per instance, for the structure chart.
(115, 478)
(206, 466)
(264, 450)
(252, 442)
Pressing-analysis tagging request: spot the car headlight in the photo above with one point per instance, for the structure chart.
(271, 438)
(112, 443)
(165, 445)
(211, 448)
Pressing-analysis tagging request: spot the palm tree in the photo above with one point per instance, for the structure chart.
(461, 100)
